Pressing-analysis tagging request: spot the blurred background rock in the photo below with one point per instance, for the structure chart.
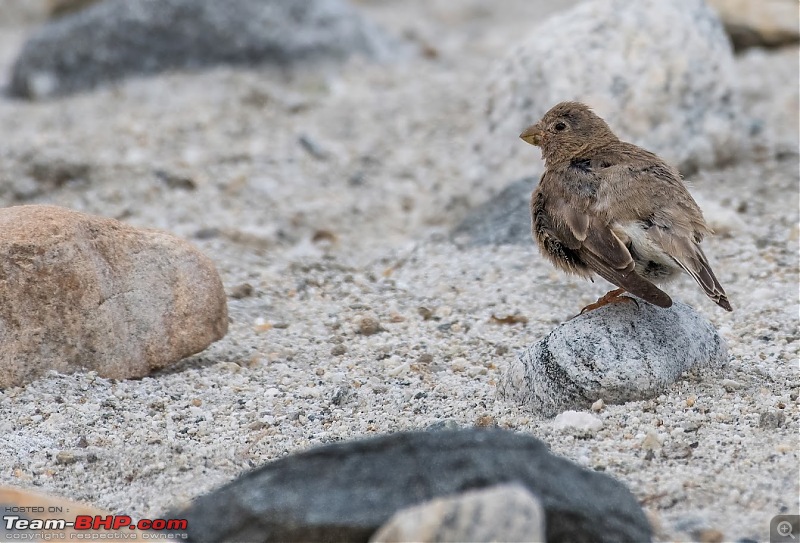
(759, 23)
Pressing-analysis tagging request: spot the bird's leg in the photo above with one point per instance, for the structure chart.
(612, 297)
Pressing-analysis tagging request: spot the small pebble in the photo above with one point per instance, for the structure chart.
(261, 325)
(338, 349)
(577, 421)
(341, 395)
(400, 369)
(66, 458)
(486, 421)
(446, 424)
(598, 405)
(651, 441)
(368, 325)
(691, 427)
(730, 385)
(425, 358)
(245, 290)
(312, 147)
(769, 420)
(676, 451)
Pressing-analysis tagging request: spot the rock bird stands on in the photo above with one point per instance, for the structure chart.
(608, 207)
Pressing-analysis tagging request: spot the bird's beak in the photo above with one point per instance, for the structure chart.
(533, 135)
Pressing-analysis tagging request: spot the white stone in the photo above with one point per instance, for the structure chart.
(579, 421)
(498, 513)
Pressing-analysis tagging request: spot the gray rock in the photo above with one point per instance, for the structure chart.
(620, 353)
(86, 292)
(505, 219)
(498, 513)
(346, 491)
(662, 75)
(771, 420)
(115, 39)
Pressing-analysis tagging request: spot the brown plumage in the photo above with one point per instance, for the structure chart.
(608, 207)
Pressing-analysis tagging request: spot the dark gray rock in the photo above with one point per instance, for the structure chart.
(618, 353)
(346, 491)
(115, 39)
(505, 219)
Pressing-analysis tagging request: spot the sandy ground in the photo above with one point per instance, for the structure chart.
(357, 226)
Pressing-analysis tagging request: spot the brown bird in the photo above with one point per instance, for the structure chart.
(608, 207)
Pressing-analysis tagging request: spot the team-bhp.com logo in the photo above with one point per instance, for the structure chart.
(17, 527)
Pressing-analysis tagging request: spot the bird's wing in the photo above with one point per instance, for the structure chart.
(603, 252)
(636, 185)
(642, 187)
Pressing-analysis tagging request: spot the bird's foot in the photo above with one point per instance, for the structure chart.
(612, 297)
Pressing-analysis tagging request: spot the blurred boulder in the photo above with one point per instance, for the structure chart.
(114, 39)
(662, 75)
(347, 491)
(759, 23)
(505, 219)
(86, 292)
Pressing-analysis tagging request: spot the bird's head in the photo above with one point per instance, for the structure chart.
(568, 130)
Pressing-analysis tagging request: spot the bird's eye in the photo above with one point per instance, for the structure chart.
(560, 126)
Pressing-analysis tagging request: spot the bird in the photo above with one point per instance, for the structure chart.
(607, 207)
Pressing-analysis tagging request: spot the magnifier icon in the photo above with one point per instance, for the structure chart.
(785, 529)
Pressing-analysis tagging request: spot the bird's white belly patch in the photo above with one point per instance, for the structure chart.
(642, 244)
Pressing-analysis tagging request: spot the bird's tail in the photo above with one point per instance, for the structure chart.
(700, 270)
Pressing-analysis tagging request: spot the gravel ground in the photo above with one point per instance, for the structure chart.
(331, 196)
